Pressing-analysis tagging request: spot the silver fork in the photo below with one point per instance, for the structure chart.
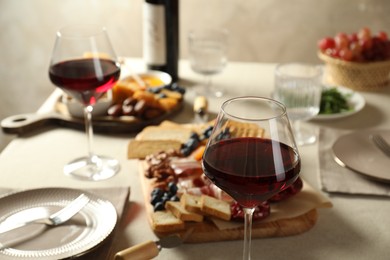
(381, 143)
(54, 219)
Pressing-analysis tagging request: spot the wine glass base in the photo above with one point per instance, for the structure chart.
(218, 93)
(96, 168)
(304, 137)
(201, 90)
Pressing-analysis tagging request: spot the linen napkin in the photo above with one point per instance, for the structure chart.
(119, 197)
(337, 179)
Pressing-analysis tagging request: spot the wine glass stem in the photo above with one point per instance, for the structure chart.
(248, 233)
(88, 129)
(297, 129)
(207, 84)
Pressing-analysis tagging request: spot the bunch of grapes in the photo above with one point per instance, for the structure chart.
(362, 46)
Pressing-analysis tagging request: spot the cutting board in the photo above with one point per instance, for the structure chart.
(207, 231)
(25, 123)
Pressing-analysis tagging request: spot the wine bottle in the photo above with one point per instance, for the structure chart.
(161, 36)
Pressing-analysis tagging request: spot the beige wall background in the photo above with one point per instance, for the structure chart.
(260, 31)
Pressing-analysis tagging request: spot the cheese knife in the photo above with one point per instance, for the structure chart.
(148, 249)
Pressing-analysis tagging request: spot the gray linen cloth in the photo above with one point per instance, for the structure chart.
(337, 179)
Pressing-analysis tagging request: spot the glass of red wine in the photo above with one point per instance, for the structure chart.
(251, 154)
(84, 65)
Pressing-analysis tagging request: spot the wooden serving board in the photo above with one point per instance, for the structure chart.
(25, 123)
(207, 231)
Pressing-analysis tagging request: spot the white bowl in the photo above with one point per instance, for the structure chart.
(77, 110)
(163, 76)
(103, 104)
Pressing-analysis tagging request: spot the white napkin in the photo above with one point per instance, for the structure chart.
(337, 179)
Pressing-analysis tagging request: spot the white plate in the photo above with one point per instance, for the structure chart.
(88, 228)
(356, 151)
(356, 101)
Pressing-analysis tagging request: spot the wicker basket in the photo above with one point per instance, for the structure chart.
(355, 75)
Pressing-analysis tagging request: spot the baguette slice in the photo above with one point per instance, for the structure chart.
(139, 149)
(181, 213)
(180, 134)
(191, 203)
(165, 221)
(215, 207)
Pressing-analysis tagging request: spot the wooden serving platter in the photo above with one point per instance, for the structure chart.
(24, 123)
(207, 231)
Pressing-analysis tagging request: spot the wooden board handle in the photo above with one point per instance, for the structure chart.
(23, 123)
(144, 251)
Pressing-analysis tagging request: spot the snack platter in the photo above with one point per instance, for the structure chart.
(109, 124)
(154, 105)
(129, 107)
(292, 216)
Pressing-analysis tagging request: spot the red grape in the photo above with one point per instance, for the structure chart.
(356, 50)
(366, 44)
(364, 34)
(326, 43)
(353, 38)
(342, 41)
(383, 36)
(346, 54)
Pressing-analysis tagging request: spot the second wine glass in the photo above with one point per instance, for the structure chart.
(251, 154)
(208, 56)
(84, 65)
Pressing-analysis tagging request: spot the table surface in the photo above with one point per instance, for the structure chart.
(355, 228)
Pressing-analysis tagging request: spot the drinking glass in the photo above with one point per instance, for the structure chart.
(298, 86)
(208, 56)
(251, 154)
(84, 65)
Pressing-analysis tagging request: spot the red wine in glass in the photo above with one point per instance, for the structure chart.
(251, 154)
(84, 65)
(83, 80)
(247, 170)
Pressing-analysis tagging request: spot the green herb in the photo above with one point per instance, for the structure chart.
(333, 102)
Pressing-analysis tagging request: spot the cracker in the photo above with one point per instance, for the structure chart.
(245, 129)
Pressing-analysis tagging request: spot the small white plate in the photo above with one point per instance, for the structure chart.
(355, 100)
(87, 229)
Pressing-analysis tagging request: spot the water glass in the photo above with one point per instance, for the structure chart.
(298, 86)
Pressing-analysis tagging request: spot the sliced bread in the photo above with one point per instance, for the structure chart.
(165, 221)
(180, 134)
(215, 207)
(139, 149)
(191, 202)
(181, 213)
